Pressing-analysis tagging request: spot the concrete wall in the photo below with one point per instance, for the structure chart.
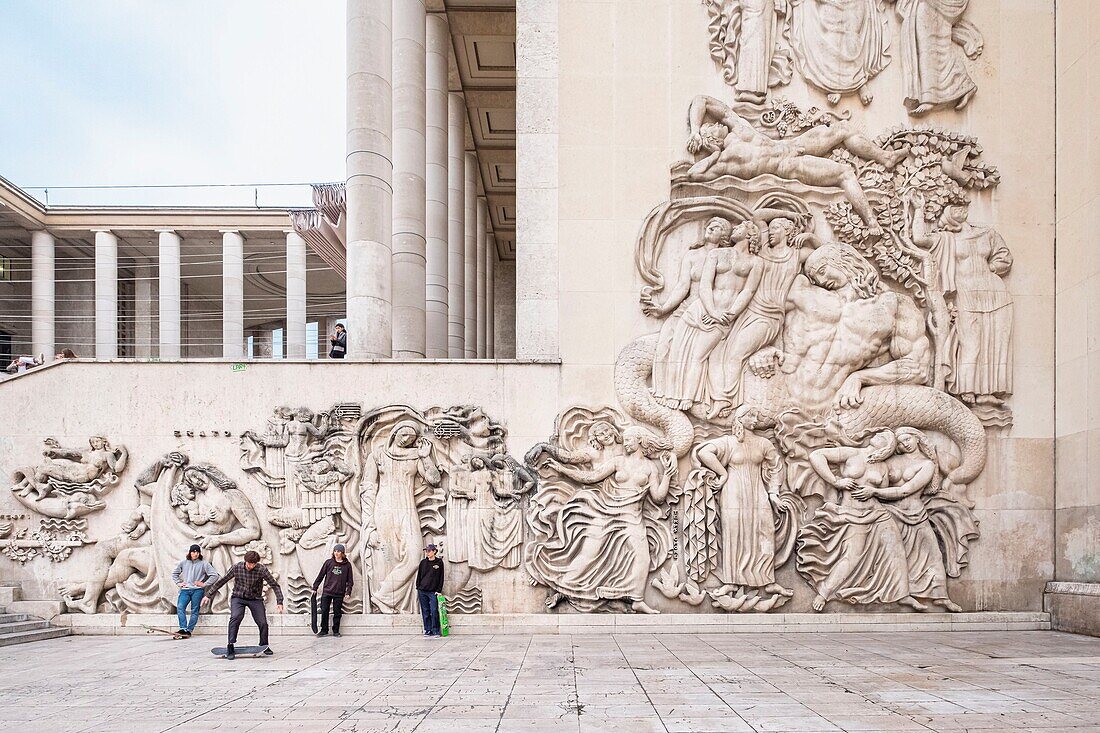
(1077, 516)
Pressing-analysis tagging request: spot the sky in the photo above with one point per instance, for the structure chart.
(156, 92)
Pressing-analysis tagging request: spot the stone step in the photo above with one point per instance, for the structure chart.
(8, 618)
(15, 627)
(24, 637)
(42, 609)
(8, 594)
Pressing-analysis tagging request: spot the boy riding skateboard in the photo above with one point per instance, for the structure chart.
(248, 592)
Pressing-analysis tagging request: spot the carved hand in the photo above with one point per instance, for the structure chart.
(847, 484)
(848, 396)
(669, 462)
(764, 362)
(211, 542)
(695, 143)
(373, 540)
(424, 448)
(864, 493)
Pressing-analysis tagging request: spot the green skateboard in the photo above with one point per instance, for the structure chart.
(444, 625)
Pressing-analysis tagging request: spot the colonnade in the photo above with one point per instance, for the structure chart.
(43, 330)
(419, 237)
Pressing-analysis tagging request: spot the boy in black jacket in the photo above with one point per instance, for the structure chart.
(429, 581)
(336, 576)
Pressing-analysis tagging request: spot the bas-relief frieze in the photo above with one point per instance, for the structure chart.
(829, 340)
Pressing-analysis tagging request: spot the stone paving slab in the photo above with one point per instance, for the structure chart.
(630, 683)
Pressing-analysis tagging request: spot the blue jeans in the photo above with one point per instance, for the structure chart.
(194, 597)
(429, 611)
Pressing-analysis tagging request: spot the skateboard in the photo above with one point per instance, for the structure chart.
(240, 651)
(158, 630)
(444, 624)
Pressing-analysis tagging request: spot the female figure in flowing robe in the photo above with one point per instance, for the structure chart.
(853, 550)
(677, 369)
(934, 39)
(598, 543)
(840, 45)
(747, 41)
(393, 477)
(749, 471)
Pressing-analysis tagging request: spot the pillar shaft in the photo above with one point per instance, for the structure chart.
(232, 295)
(295, 296)
(470, 256)
(436, 185)
(169, 294)
(106, 295)
(456, 229)
(490, 297)
(42, 294)
(143, 311)
(482, 245)
(409, 197)
(369, 192)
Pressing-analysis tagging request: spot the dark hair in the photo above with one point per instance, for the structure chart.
(188, 555)
(252, 556)
(68, 353)
(341, 325)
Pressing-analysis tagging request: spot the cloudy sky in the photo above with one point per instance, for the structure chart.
(140, 92)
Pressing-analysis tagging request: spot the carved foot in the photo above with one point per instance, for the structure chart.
(894, 157)
(818, 603)
(866, 97)
(553, 600)
(777, 589)
(921, 109)
(913, 603)
(874, 230)
(948, 605)
(721, 408)
(834, 99)
(641, 607)
(965, 100)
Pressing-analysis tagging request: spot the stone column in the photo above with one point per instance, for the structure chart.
(436, 182)
(169, 294)
(232, 294)
(409, 197)
(470, 257)
(106, 294)
(482, 245)
(456, 229)
(143, 311)
(295, 296)
(490, 297)
(369, 192)
(42, 294)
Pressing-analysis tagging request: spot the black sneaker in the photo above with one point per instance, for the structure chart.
(336, 633)
(268, 652)
(182, 632)
(229, 652)
(185, 634)
(322, 633)
(427, 633)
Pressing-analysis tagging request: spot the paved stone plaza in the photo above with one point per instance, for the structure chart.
(995, 681)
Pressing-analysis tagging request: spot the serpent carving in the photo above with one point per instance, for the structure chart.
(883, 406)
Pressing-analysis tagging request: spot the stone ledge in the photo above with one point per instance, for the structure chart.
(579, 624)
(1075, 589)
(1073, 607)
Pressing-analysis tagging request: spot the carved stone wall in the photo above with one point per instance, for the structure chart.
(805, 307)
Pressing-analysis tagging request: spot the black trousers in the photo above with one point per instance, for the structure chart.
(336, 603)
(236, 615)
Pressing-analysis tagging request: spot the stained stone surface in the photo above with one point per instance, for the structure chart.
(1007, 681)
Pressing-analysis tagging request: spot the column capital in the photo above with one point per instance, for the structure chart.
(104, 230)
(165, 231)
(229, 231)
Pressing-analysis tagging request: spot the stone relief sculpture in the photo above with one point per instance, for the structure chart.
(180, 503)
(301, 460)
(404, 457)
(748, 43)
(598, 532)
(68, 484)
(934, 40)
(840, 45)
(739, 517)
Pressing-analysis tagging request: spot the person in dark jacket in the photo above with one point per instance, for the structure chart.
(336, 582)
(429, 581)
(338, 342)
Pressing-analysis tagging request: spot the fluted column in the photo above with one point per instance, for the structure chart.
(169, 294)
(106, 294)
(409, 199)
(490, 297)
(232, 294)
(295, 296)
(42, 293)
(369, 191)
(436, 185)
(482, 245)
(470, 256)
(456, 226)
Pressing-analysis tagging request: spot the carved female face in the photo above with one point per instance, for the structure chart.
(631, 443)
(826, 275)
(97, 443)
(779, 229)
(196, 480)
(405, 436)
(907, 443)
(717, 232)
(604, 434)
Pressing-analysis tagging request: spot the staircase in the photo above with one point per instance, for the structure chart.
(17, 627)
